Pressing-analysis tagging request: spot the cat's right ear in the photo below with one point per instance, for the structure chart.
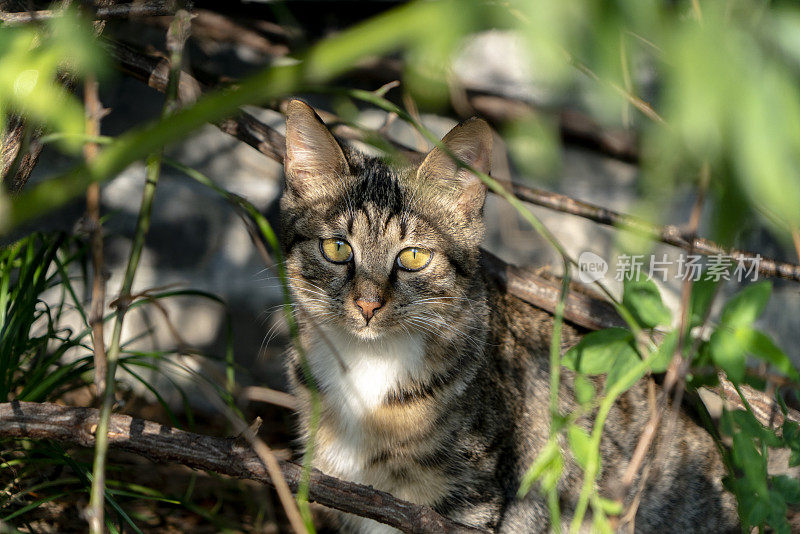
(314, 162)
(470, 142)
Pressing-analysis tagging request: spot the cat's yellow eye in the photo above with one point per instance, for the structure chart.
(336, 250)
(414, 258)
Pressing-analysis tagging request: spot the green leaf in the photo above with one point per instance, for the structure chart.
(642, 299)
(728, 353)
(756, 510)
(788, 487)
(702, 295)
(751, 427)
(610, 507)
(625, 360)
(762, 346)
(776, 515)
(666, 350)
(598, 351)
(549, 459)
(584, 389)
(747, 305)
(791, 436)
(581, 444)
(747, 457)
(600, 525)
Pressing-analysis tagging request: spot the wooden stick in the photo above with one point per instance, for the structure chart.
(16, 164)
(159, 443)
(152, 8)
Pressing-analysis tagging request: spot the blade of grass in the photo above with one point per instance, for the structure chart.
(268, 234)
(177, 35)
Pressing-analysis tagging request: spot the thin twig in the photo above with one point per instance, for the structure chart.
(267, 457)
(17, 163)
(677, 369)
(176, 38)
(94, 111)
(796, 240)
(669, 234)
(152, 8)
(219, 28)
(270, 396)
(231, 457)
(634, 100)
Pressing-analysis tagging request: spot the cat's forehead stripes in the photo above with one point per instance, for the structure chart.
(379, 185)
(379, 224)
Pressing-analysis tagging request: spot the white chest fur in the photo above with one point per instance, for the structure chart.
(356, 376)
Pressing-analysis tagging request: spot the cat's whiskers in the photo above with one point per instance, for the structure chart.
(444, 325)
(450, 307)
(304, 281)
(446, 297)
(440, 301)
(271, 333)
(311, 291)
(274, 329)
(308, 294)
(423, 325)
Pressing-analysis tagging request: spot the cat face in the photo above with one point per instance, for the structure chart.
(373, 249)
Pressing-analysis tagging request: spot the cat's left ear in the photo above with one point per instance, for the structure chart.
(470, 142)
(314, 162)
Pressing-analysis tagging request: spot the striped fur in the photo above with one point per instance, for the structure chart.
(441, 398)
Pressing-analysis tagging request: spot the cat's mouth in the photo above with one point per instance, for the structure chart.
(374, 329)
(368, 333)
(369, 330)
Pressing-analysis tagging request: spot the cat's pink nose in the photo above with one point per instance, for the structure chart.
(368, 306)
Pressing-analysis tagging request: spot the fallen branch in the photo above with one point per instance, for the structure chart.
(159, 443)
(271, 143)
(583, 309)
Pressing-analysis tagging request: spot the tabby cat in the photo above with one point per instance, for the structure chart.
(433, 381)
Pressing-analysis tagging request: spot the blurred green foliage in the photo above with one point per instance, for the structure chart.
(31, 61)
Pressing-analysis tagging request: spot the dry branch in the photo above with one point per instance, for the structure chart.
(271, 143)
(16, 164)
(575, 127)
(151, 8)
(217, 28)
(582, 308)
(94, 111)
(227, 456)
(669, 234)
